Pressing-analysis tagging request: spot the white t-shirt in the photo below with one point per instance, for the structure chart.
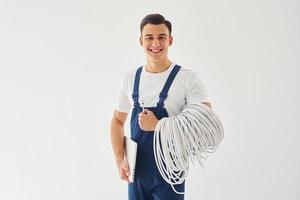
(186, 88)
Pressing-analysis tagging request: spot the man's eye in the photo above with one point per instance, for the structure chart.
(149, 38)
(162, 38)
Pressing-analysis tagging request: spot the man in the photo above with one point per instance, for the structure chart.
(163, 88)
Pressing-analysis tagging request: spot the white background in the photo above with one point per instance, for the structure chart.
(61, 65)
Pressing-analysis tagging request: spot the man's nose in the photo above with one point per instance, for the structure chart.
(155, 43)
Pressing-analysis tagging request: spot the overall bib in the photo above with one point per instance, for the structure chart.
(148, 183)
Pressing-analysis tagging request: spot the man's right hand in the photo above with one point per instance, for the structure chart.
(124, 170)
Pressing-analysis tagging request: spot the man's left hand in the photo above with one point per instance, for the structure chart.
(147, 120)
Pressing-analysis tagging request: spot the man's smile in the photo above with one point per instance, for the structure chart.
(155, 51)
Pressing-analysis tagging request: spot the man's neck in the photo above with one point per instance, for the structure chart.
(158, 67)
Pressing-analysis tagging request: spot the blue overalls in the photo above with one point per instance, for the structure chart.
(148, 183)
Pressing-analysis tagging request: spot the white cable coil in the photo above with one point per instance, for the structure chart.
(190, 135)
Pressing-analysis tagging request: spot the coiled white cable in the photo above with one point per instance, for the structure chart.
(190, 135)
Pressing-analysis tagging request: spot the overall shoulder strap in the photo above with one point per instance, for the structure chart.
(135, 94)
(164, 93)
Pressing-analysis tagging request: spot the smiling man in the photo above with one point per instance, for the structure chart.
(158, 89)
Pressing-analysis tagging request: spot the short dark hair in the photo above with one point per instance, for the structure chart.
(155, 19)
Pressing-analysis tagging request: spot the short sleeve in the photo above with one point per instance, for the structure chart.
(123, 104)
(196, 90)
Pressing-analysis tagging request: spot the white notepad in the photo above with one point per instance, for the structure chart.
(130, 156)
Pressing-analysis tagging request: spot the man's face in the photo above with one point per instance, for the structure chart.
(155, 40)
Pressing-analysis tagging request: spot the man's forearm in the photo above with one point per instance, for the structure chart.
(117, 140)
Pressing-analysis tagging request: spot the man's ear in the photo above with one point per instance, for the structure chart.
(170, 40)
(141, 41)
